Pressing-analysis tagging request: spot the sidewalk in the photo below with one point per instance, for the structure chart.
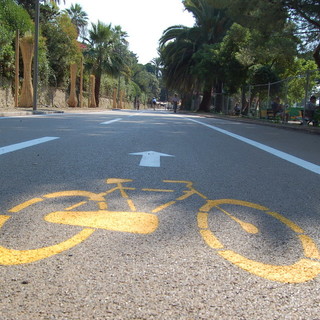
(15, 112)
(263, 122)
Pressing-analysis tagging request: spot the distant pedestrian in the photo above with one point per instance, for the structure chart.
(137, 103)
(154, 103)
(311, 108)
(175, 102)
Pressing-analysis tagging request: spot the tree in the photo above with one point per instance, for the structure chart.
(12, 19)
(78, 17)
(154, 66)
(270, 15)
(147, 81)
(107, 52)
(62, 48)
(179, 45)
(306, 14)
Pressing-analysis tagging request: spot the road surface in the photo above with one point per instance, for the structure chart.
(155, 215)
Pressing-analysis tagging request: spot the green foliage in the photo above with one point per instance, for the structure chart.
(12, 18)
(232, 44)
(78, 17)
(62, 48)
(146, 81)
(297, 79)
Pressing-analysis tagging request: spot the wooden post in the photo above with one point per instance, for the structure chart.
(26, 99)
(16, 76)
(73, 101)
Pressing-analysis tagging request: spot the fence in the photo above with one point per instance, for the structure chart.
(58, 98)
(294, 92)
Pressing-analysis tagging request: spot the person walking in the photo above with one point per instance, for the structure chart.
(175, 102)
(154, 103)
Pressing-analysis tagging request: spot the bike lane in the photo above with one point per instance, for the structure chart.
(187, 267)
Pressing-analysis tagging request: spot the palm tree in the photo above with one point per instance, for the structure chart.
(100, 40)
(78, 17)
(176, 57)
(156, 63)
(107, 52)
(179, 45)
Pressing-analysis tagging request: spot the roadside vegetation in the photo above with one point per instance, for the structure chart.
(233, 44)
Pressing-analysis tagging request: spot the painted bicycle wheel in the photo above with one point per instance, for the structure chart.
(304, 269)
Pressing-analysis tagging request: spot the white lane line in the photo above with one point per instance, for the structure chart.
(26, 144)
(111, 121)
(285, 156)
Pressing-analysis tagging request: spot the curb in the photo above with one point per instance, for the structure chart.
(286, 126)
(27, 113)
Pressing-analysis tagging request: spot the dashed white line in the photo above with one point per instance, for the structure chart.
(111, 121)
(26, 144)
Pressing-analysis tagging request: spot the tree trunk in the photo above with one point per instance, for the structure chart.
(97, 88)
(316, 55)
(244, 109)
(73, 101)
(219, 97)
(206, 101)
(92, 100)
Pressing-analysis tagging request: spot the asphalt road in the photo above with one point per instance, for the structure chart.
(154, 215)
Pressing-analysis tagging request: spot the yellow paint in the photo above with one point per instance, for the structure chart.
(211, 240)
(246, 226)
(3, 219)
(103, 205)
(90, 195)
(189, 185)
(131, 205)
(157, 190)
(286, 221)
(76, 205)
(301, 271)
(25, 205)
(117, 181)
(202, 220)
(134, 222)
(162, 207)
(177, 181)
(12, 257)
(213, 203)
(309, 247)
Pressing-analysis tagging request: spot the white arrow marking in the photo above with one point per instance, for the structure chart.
(150, 158)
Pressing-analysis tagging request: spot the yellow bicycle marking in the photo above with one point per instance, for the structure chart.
(309, 247)
(301, 271)
(3, 219)
(133, 221)
(90, 195)
(12, 257)
(157, 190)
(246, 226)
(25, 205)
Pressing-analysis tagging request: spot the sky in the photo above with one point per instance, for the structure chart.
(143, 20)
